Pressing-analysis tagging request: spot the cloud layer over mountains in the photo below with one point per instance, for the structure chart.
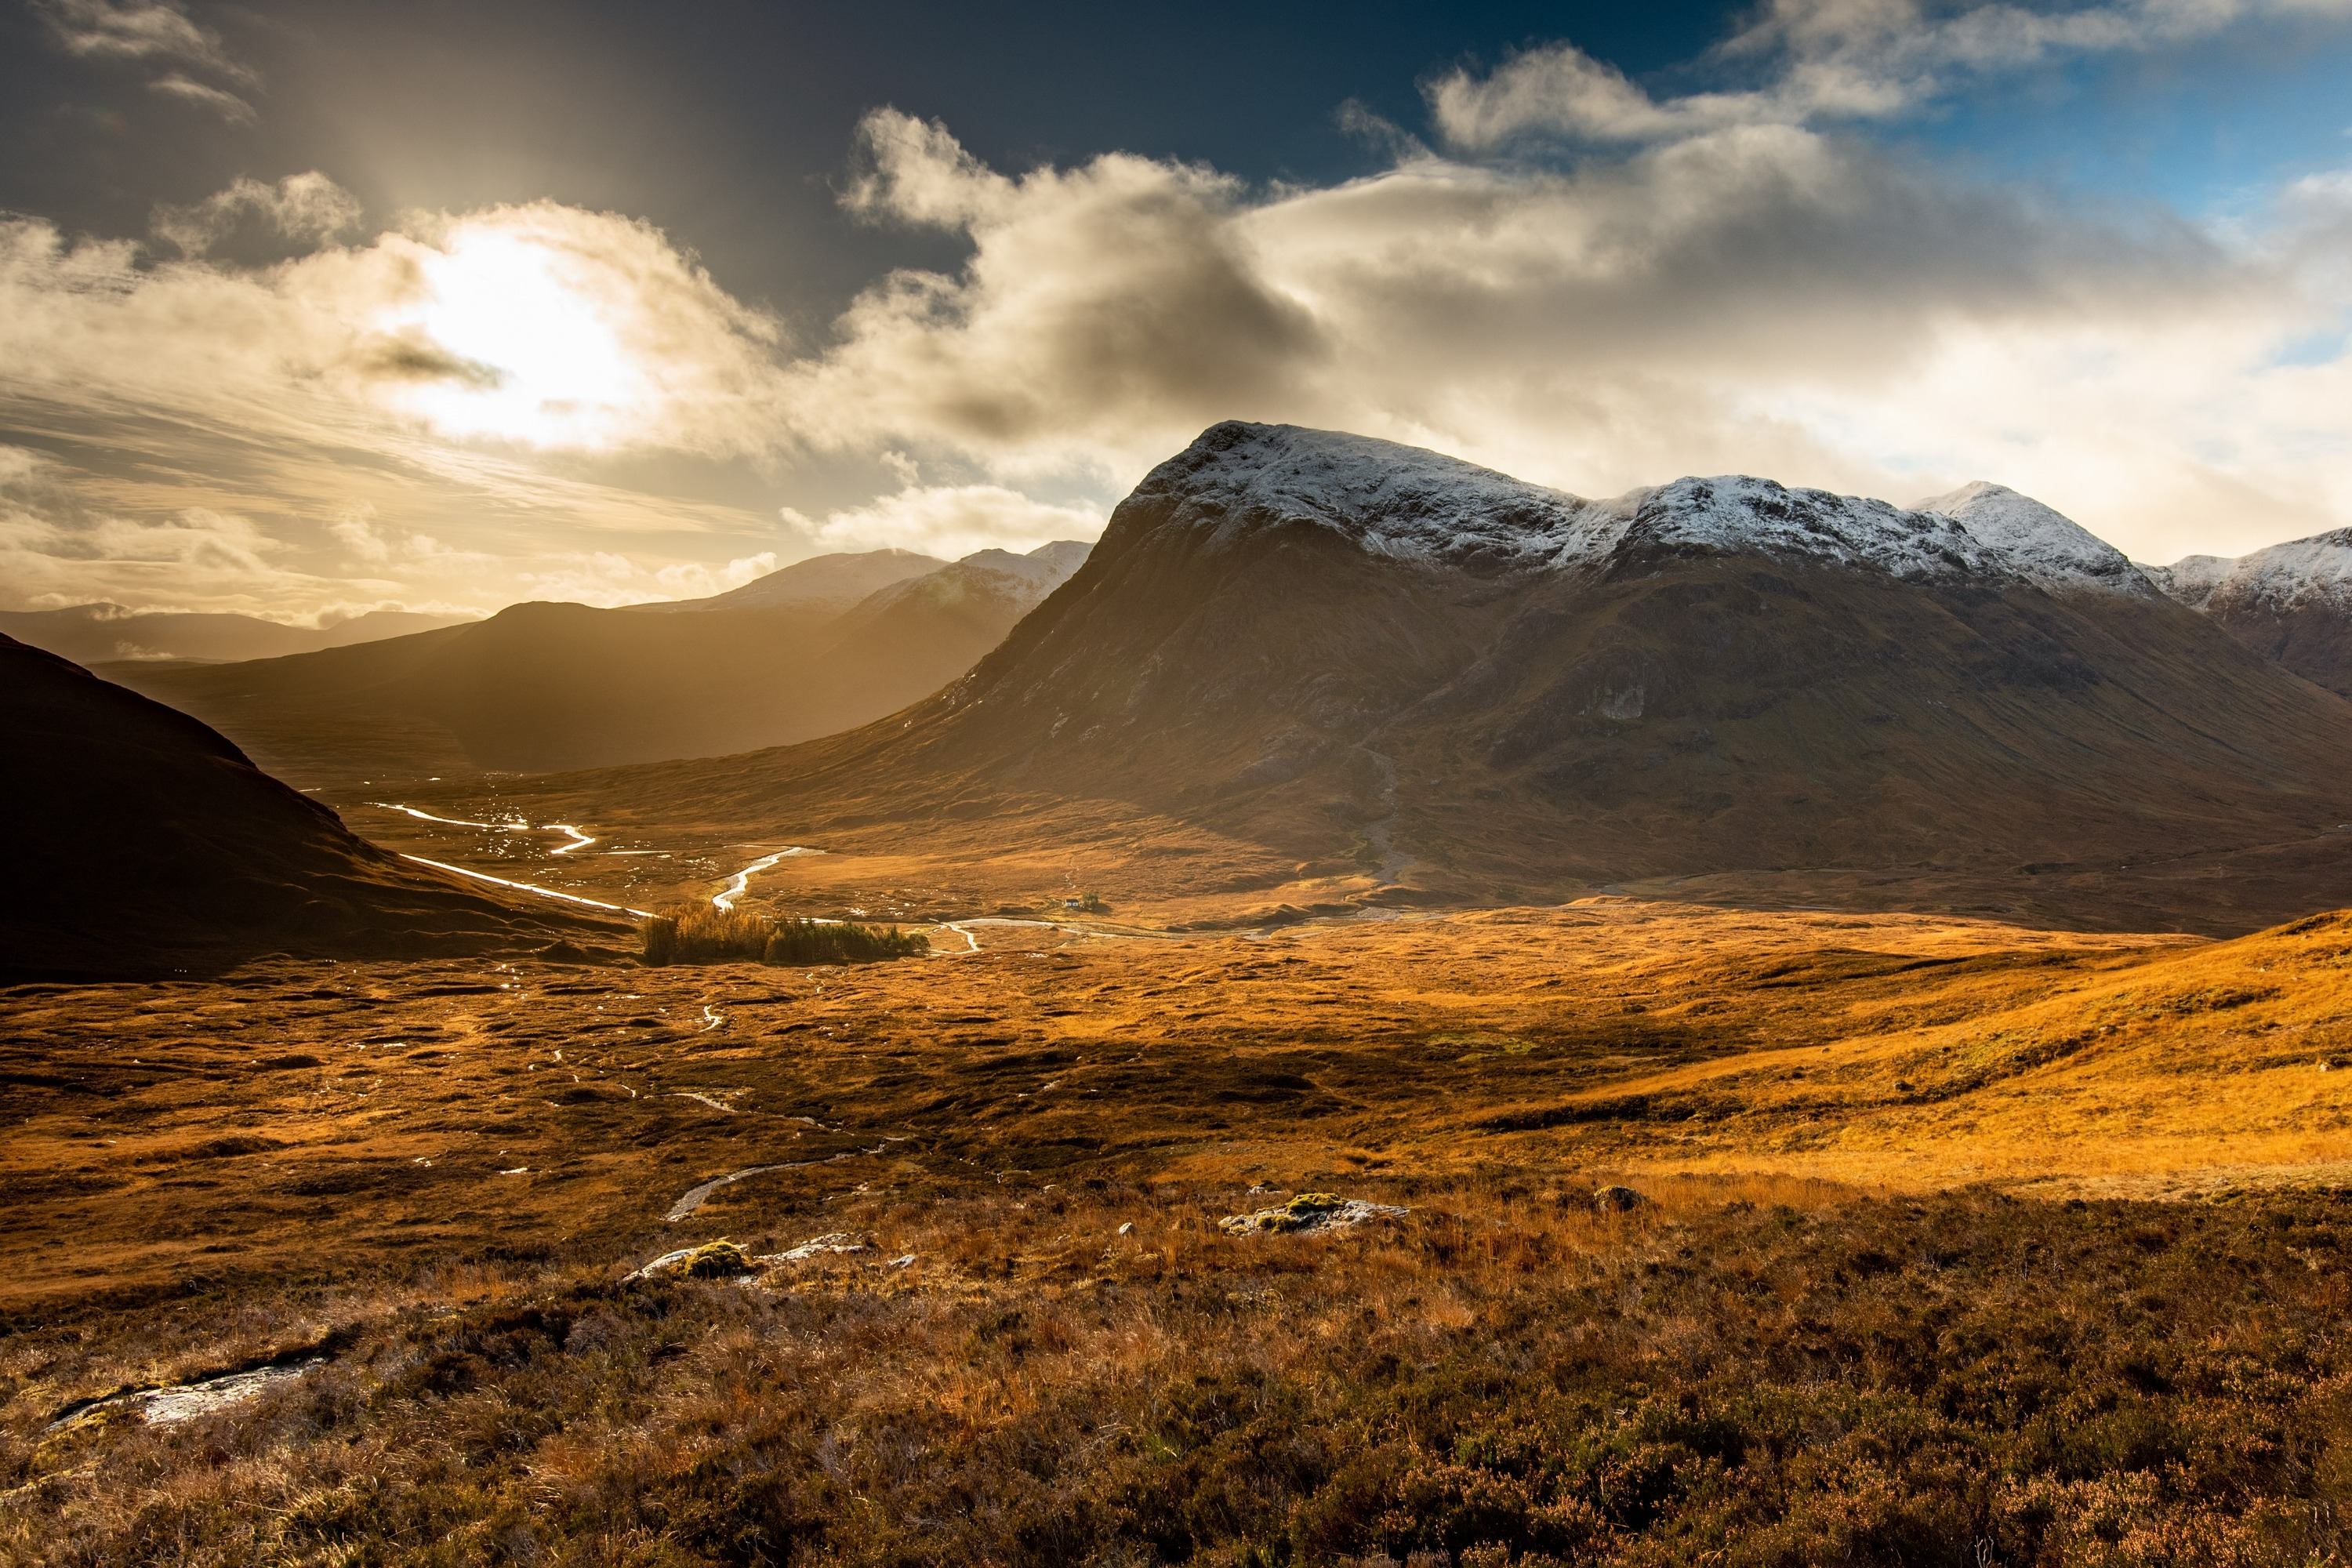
(1578, 281)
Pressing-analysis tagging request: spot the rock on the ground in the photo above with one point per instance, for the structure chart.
(711, 1260)
(1307, 1211)
(815, 1247)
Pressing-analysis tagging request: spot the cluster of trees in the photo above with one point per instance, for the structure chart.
(702, 933)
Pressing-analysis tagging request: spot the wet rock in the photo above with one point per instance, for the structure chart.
(711, 1260)
(815, 1247)
(186, 1401)
(1307, 1211)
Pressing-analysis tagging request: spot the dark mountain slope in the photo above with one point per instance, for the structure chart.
(98, 634)
(1361, 656)
(138, 841)
(539, 687)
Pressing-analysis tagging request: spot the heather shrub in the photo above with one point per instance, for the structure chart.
(1939, 1382)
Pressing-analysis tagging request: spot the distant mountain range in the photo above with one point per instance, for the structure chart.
(819, 584)
(1401, 673)
(135, 841)
(100, 633)
(2292, 602)
(818, 647)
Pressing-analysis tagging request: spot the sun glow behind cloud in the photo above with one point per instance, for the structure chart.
(554, 328)
(523, 346)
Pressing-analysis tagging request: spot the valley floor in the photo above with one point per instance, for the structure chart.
(1966, 1242)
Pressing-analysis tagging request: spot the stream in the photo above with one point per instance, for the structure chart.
(737, 884)
(741, 883)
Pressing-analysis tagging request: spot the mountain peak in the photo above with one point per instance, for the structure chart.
(2279, 577)
(1402, 502)
(2040, 544)
(1407, 503)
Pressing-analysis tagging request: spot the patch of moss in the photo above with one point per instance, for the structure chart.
(714, 1261)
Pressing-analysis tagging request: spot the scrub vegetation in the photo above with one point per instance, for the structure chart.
(1752, 1371)
(1955, 1243)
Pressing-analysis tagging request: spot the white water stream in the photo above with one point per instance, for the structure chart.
(741, 883)
(737, 885)
(579, 840)
(528, 887)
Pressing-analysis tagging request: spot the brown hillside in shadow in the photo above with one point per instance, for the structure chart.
(548, 686)
(137, 841)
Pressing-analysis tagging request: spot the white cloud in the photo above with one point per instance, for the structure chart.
(54, 550)
(220, 100)
(947, 521)
(608, 577)
(357, 531)
(308, 208)
(1759, 297)
(157, 31)
(693, 580)
(138, 30)
(1822, 60)
(538, 326)
(1119, 288)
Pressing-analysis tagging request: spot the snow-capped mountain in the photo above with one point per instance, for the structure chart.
(1407, 504)
(1378, 662)
(2038, 543)
(2292, 602)
(1017, 583)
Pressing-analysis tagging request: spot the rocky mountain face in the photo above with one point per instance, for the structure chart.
(2292, 602)
(1374, 656)
(550, 685)
(137, 841)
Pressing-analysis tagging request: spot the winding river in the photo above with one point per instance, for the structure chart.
(737, 885)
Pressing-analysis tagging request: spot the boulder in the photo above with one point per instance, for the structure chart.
(1307, 1211)
(1617, 1200)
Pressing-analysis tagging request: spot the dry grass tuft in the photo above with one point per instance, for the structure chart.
(1756, 1372)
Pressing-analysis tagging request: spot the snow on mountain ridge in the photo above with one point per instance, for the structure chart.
(1023, 581)
(1735, 512)
(2281, 578)
(1408, 504)
(1402, 502)
(2040, 544)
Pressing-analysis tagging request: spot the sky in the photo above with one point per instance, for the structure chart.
(314, 309)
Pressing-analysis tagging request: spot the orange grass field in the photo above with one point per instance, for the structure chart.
(433, 1177)
(159, 1128)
